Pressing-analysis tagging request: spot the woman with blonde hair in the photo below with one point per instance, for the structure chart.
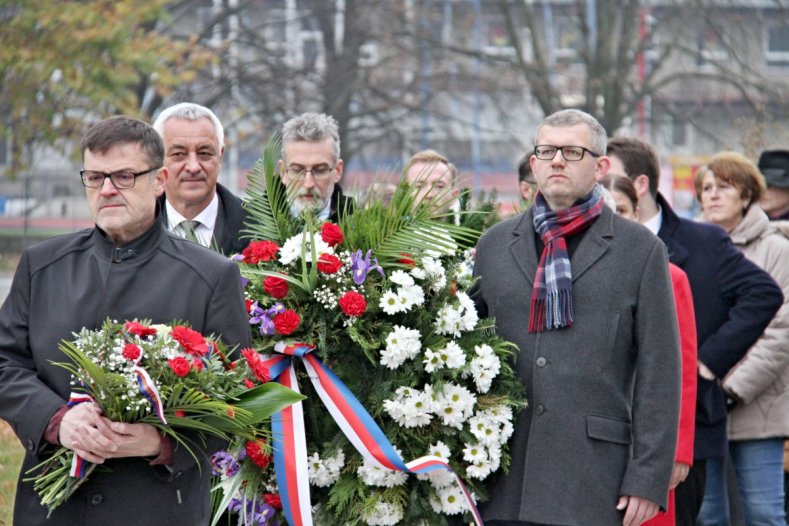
(729, 189)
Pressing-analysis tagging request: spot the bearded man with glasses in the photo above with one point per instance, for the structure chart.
(311, 167)
(127, 267)
(586, 296)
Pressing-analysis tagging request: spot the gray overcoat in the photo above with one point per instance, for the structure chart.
(604, 393)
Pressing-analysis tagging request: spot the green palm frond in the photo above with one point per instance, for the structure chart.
(403, 226)
(268, 203)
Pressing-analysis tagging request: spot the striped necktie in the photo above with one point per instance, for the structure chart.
(189, 229)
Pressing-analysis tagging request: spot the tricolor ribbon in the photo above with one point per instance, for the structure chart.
(78, 464)
(290, 458)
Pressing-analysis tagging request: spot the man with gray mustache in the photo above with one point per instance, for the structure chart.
(311, 167)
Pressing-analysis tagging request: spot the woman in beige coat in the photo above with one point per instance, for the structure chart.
(729, 189)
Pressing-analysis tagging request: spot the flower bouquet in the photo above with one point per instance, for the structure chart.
(169, 376)
(377, 310)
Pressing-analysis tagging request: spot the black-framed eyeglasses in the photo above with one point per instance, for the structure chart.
(120, 180)
(320, 172)
(547, 152)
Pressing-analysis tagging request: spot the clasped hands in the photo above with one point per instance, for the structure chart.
(95, 438)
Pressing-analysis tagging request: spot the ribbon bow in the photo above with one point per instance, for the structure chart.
(290, 460)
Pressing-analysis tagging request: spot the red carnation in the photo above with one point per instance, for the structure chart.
(329, 263)
(191, 341)
(131, 352)
(248, 304)
(249, 383)
(180, 366)
(273, 500)
(258, 453)
(407, 260)
(258, 251)
(286, 322)
(197, 364)
(276, 287)
(353, 304)
(260, 371)
(132, 327)
(331, 234)
(180, 413)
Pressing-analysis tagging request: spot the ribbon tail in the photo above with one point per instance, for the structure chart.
(365, 435)
(290, 458)
(150, 392)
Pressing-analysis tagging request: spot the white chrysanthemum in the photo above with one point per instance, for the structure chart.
(291, 249)
(454, 405)
(435, 273)
(384, 514)
(484, 367)
(480, 470)
(418, 273)
(448, 321)
(485, 429)
(451, 357)
(440, 450)
(401, 344)
(450, 501)
(390, 303)
(439, 478)
(469, 317)
(401, 278)
(410, 296)
(475, 453)
(324, 473)
(410, 407)
(500, 413)
(373, 475)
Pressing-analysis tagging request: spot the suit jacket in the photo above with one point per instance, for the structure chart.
(340, 204)
(734, 301)
(78, 280)
(230, 219)
(604, 393)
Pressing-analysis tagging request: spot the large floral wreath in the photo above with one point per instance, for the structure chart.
(381, 299)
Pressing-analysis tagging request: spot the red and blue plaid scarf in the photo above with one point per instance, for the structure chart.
(552, 298)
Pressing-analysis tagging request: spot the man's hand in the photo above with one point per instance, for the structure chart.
(638, 510)
(87, 433)
(678, 474)
(136, 440)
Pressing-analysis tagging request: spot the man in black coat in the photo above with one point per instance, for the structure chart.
(774, 165)
(194, 204)
(734, 301)
(311, 166)
(126, 267)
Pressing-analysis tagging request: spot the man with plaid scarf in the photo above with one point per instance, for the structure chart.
(586, 296)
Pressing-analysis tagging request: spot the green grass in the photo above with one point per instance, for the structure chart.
(11, 454)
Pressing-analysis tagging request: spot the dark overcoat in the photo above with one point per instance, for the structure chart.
(734, 301)
(230, 220)
(604, 393)
(78, 280)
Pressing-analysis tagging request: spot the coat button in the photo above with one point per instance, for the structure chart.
(96, 499)
(541, 361)
(540, 409)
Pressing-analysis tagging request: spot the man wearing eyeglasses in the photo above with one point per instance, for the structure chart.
(311, 167)
(194, 204)
(128, 266)
(586, 296)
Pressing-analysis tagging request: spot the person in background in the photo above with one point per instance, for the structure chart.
(596, 444)
(774, 165)
(734, 301)
(526, 183)
(435, 179)
(127, 267)
(626, 204)
(311, 166)
(194, 204)
(729, 189)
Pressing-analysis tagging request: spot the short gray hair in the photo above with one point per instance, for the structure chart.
(312, 127)
(571, 117)
(191, 112)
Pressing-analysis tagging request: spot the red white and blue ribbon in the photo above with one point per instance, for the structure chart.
(290, 458)
(148, 389)
(78, 464)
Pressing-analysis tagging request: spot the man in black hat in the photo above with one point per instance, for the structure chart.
(774, 165)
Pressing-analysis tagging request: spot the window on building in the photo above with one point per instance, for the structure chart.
(777, 42)
(712, 46)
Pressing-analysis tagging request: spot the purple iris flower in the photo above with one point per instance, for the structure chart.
(254, 513)
(224, 463)
(361, 266)
(264, 317)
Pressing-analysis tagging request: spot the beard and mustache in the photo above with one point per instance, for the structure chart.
(316, 204)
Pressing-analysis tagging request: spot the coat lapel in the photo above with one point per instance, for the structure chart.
(594, 244)
(523, 247)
